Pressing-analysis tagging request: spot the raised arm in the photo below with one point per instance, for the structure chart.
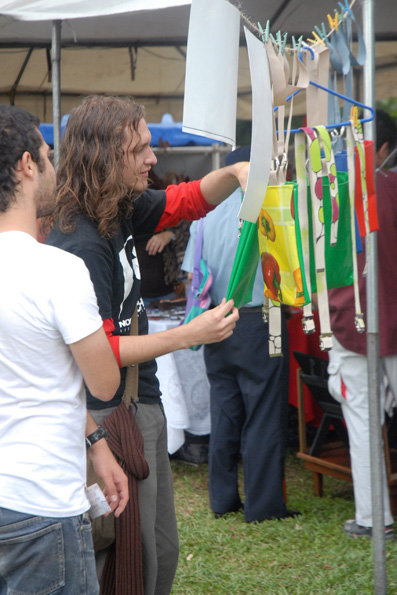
(219, 184)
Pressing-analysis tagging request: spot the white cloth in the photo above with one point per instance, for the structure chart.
(46, 302)
(352, 369)
(185, 391)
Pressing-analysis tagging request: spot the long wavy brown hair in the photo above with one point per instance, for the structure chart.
(91, 162)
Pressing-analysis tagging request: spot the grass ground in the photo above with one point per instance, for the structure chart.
(306, 555)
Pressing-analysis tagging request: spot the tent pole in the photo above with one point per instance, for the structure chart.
(56, 86)
(377, 465)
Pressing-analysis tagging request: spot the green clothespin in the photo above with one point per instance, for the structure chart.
(296, 45)
(284, 43)
(321, 32)
(265, 32)
(281, 42)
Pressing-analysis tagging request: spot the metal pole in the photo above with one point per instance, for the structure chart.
(376, 449)
(56, 87)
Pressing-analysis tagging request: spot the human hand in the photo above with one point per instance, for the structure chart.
(214, 325)
(158, 242)
(112, 475)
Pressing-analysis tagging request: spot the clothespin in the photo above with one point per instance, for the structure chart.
(346, 8)
(297, 44)
(284, 43)
(354, 116)
(333, 23)
(265, 32)
(280, 41)
(322, 32)
(316, 39)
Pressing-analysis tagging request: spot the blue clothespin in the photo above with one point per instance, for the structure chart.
(345, 8)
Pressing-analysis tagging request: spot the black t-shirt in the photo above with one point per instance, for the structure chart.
(115, 274)
(152, 268)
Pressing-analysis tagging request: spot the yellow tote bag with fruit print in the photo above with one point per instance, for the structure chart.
(278, 249)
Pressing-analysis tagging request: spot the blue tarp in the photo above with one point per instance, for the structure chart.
(167, 132)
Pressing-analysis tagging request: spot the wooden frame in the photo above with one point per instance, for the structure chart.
(334, 459)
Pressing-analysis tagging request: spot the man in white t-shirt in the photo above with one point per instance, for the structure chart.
(51, 338)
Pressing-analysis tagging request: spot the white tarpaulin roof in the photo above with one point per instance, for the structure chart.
(48, 10)
(137, 47)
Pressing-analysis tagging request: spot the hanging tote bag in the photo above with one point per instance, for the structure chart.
(325, 222)
(245, 264)
(278, 249)
(198, 300)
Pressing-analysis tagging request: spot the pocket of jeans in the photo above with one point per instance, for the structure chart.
(32, 561)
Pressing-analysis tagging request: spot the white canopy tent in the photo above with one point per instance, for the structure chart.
(140, 25)
(137, 47)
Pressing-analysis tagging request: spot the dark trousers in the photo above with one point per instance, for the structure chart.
(249, 399)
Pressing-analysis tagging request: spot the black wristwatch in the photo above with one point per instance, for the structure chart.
(99, 433)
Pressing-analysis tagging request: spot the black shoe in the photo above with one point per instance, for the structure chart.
(290, 513)
(285, 515)
(219, 515)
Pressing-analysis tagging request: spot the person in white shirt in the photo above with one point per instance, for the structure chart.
(51, 342)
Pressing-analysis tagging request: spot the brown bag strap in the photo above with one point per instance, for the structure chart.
(131, 379)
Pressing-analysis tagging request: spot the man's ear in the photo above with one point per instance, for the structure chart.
(382, 153)
(26, 165)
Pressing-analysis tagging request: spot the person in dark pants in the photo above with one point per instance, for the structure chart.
(248, 388)
(249, 398)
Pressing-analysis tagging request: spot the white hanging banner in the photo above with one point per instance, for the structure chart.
(210, 103)
(49, 10)
(262, 129)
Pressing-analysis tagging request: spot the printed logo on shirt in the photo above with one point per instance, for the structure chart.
(124, 325)
(130, 270)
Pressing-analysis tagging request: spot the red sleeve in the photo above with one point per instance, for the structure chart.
(183, 201)
(114, 340)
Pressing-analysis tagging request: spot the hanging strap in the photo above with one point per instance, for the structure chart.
(359, 317)
(316, 191)
(317, 99)
(300, 162)
(131, 379)
(329, 169)
(358, 137)
(279, 74)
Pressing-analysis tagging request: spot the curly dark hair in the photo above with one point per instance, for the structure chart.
(18, 133)
(386, 130)
(90, 174)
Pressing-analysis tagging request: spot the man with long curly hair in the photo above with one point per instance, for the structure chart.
(103, 202)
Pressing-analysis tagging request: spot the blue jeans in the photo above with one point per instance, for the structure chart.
(42, 556)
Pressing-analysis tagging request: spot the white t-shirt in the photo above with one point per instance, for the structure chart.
(46, 302)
